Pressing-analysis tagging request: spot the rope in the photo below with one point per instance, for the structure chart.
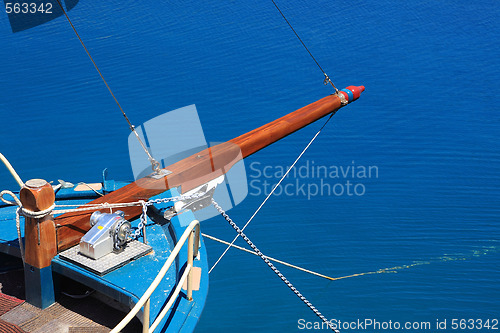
(104, 205)
(36, 215)
(24, 212)
(31, 214)
(16, 201)
(270, 264)
(19, 238)
(327, 78)
(270, 258)
(11, 170)
(155, 164)
(272, 191)
(28, 213)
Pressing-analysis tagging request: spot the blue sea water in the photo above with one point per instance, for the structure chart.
(428, 124)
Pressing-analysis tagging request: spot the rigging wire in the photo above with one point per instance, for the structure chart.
(327, 78)
(155, 164)
(273, 268)
(269, 258)
(272, 191)
(326, 81)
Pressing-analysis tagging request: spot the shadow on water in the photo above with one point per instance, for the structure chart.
(25, 15)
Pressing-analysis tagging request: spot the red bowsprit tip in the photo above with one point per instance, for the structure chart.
(356, 91)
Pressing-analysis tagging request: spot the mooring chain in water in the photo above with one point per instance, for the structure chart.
(272, 191)
(327, 78)
(154, 163)
(270, 264)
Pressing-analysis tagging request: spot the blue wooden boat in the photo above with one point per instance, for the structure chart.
(162, 274)
(121, 256)
(124, 282)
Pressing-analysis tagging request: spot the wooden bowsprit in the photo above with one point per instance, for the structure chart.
(204, 166)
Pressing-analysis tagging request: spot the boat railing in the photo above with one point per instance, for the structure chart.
(192, 235)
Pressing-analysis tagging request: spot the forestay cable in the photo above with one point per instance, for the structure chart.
(272, 191)
(155, 164)
(327, 78)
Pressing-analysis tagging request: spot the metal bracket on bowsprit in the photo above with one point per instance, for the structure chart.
(205, 194)
(343, 99)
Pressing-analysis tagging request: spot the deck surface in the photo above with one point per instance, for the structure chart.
(68, 316)
(7, 303)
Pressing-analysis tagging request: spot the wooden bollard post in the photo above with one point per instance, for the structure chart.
(40, 243)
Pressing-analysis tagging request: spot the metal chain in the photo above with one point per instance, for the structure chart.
(132, 234)
(270, 264)
(143, 218)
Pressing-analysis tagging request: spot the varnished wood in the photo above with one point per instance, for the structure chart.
(197, 169)
(263, 136)
(39, 251)
(187, 173)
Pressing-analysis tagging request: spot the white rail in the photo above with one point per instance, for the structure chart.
(193, 243)
(11, 170)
